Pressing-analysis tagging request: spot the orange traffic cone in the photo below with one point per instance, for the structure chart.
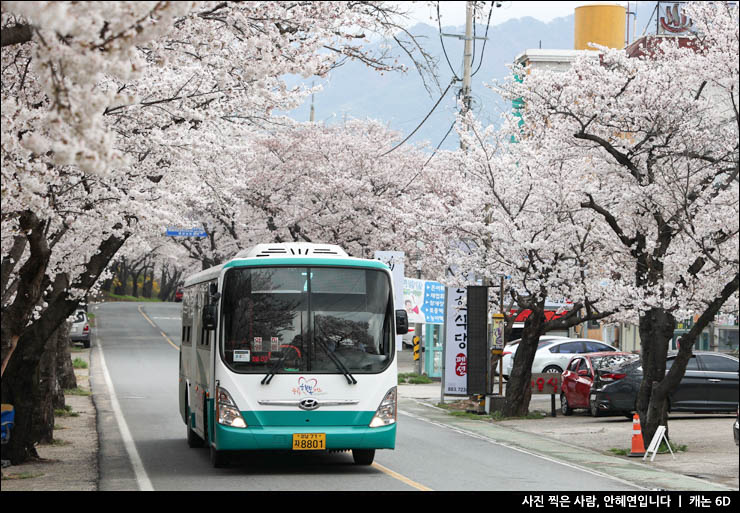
(638, 447)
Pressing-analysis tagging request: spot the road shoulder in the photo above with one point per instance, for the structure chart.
(71, 462)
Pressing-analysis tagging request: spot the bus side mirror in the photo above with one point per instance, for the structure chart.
(210, 311)
(402, 322)
(210, 316)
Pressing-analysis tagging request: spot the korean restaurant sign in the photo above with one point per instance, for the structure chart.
(456, 342)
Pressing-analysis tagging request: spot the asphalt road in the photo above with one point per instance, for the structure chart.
(142, 437)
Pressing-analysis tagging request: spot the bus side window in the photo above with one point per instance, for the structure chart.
(205, 336)
(186, 335)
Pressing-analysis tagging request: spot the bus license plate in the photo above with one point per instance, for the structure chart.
(309, 441)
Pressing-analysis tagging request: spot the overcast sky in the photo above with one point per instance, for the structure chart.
(453, 13)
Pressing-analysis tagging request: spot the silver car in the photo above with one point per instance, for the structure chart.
(80, 330)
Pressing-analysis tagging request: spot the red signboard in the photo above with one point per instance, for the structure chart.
(521, 316)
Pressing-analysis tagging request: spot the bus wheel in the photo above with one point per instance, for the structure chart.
(363, 456)
(219, 459)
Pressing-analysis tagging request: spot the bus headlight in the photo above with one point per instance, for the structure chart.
(227, 413)
(386, 412)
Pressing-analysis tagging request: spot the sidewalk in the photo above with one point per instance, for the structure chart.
(71, 462)
(710, 461)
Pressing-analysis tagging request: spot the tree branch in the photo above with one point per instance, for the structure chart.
(15, 35)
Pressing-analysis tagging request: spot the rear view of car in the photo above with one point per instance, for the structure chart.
(709, 384)
(578, 377)
(616, 379)
(80, 330)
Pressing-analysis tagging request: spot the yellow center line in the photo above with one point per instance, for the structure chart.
(157, 327)
(401, 478)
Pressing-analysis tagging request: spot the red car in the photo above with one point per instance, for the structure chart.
(578, 377)
(178, 295)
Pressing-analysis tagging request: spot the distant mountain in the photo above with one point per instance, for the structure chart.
(401, 101)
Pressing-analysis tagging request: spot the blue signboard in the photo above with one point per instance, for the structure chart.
(424, 301)
(186, 232)
(434, 302)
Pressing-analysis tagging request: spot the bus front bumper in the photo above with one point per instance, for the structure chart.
(281, 437)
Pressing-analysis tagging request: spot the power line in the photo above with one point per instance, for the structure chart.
(440, 144)
(422, 121)
(439, 22)
(430, 157)
(485, 38)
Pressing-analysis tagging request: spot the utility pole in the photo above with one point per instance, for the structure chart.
(467, 56)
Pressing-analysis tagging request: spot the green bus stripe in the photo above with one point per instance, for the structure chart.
(307, 419)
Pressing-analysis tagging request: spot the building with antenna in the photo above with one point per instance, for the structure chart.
(603, 24)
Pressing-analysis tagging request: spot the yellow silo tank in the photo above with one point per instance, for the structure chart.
(603, 24)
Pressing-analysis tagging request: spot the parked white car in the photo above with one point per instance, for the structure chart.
(511, 347)
(554, 353)
(80, 330)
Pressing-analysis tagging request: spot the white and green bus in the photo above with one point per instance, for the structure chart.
(290, 347)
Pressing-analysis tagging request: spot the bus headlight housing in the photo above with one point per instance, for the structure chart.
(385, 415)
(227, 413)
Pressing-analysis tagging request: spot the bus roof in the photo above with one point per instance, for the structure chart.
(287, 254)
(292, 249)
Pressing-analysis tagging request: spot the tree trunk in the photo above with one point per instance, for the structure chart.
(28, 384)
(656, 333)
(26, 380)
(28, 286)
(168, 284)
(122, 272)
(653, 399)
(47, 392)
(135, 283)
(66, 378)
(519, 389)
(148, 286)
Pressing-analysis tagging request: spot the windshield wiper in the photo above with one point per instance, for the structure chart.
(273, 370)
(340, 365)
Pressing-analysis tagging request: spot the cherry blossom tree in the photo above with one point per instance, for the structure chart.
(502, 213)
(102, 101)
(304, 182)
(651, 146)
(68, 203)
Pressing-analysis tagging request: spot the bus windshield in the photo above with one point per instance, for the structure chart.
(306, 319)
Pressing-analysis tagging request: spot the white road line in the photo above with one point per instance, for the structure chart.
(519, 449)
(145, 485)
